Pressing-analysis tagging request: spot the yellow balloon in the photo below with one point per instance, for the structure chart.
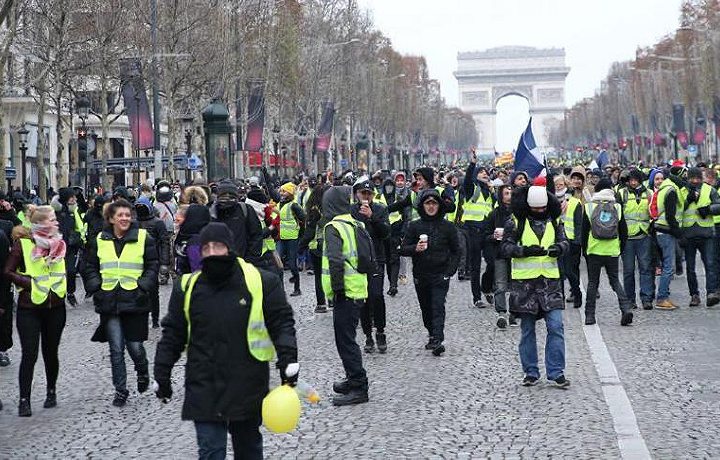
(281, 409)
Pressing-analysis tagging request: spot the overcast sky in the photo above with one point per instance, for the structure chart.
(594, 34)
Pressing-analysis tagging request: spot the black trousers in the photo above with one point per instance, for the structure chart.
(431, 292)
(392, 259)
(373, 310)
(71, 263)
(154, 299)
(346, 315)
(35, 326)
(6, 329)
(478, 249)
(317, 274)
(594, 265)
(571, 269)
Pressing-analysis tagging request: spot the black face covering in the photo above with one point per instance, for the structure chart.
(218, 268)
(539, 215)
(226, 205)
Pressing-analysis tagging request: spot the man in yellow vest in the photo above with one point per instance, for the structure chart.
(348, 288)
(701, 203)
(635, 199)
(533, 241)
(228, 302)
(667, 231)
(394, 190)
(604, 233)
(479, 201)
(291, 218)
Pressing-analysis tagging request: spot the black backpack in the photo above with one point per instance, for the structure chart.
(367, 264)
(604, 221)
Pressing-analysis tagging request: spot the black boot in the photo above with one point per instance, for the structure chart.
(626, 318)
(369, 344)
(143, 382)
(50, 399)
(72, 300)
(392, 292)
(24, 409)
(296, 292)
(1, 406)
(354, 396)
(120, 398)
(577, 301)
(589, 318)
(342, 387)
(381, 342)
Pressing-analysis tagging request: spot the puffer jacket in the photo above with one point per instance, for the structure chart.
(119, 300)
(223, 381)
(441, 255)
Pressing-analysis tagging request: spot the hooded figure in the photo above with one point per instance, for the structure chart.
(515, 175)
(155, 227)
(435, 261)
(187, 244)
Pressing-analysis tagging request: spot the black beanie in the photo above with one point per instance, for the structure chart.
(217, 232)
(258, 195)
(603, 184)
(64, 194)
(227, 188)
(427, 174)
(694, 173)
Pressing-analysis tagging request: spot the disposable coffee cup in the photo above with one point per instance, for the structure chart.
(423, 238)
(365, 202)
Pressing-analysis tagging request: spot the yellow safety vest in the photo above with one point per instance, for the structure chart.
(269, 242)
(637, 213)
(125, 269)
(529, 268)
(380, 198)
(258, 337)
(477, 208)
(452, 216)
(289, 227)
(79, 226)
(567, 218)
(691, 216)
(24, 219)
(602, 247)
(355, 283)
(44, 277)
(716, 218)
(664, 189)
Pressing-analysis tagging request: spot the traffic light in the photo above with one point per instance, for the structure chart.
(82, 144)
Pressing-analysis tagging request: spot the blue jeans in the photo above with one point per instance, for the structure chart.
(117, 342)
(638, 249)
(666, 243)
(706, 246)
(554, 345)
(288, 250)
(246, 439)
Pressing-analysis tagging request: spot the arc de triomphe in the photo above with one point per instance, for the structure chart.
(538, 75)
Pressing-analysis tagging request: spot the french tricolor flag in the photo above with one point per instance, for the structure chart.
(528, 157)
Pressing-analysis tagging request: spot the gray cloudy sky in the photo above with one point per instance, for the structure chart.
(594, 33)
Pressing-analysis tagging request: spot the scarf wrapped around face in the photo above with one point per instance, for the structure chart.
(48, 243)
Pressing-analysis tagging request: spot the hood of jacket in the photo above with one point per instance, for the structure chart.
(514, 175)
(580, 170)
(603, 195)
(258, 207)
(521, 210)
(196, 218)
(424, 196)
(144, 209)
(336, 201)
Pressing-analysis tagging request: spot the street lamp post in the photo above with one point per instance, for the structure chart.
(302, 137)
(187, 124)
(276, 143)
(82, 105)
(23, 133)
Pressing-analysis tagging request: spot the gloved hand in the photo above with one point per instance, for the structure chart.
(164, 274)
(163, 390)
(704, 211)
(289, 374)
(555, 251)
(533, 251)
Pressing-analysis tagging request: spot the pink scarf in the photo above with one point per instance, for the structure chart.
(48, 243)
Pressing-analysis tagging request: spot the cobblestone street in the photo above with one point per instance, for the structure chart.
(465, 404)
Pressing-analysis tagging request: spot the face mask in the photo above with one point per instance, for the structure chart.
(218, 268)
(226, 204)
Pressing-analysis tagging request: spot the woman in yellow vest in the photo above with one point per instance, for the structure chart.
(291, 216)
(37, 267)
(121, 269)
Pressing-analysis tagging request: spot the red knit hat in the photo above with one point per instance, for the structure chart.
(541, 181)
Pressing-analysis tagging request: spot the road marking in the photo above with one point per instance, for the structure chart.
(630, 440)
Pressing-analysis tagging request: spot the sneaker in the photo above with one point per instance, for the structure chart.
(321, 309)
(120, 398)
(590, 319)
(430, 344)
(310, 272)
(479, 304)
(392, 292)
(72, 300)
(529, 381)
(438, 349)
(501, 321)
(4, 359)
(24, 409)
(490, 298)
(354, 396)
(647, 306)
(665, 304)
(369, 345)
(626, 318)
(561, 382)
(143, 382)
(402, 279)
(50, 400)
(713, 299)
(155, 324)
(694, 300)
(295, 293)
(512, 320)
(381, 340)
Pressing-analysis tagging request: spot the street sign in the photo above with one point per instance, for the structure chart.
(343, 163)
(194, 162)
(692, 148)
(10, 173)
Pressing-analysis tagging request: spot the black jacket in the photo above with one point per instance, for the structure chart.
(95, 223)
(155, 228)
(441, 255)
(245, 227)
(336, 201)
(496, 219)
(66, 225)
(223, 382)
(378, 226)
(119, 300)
